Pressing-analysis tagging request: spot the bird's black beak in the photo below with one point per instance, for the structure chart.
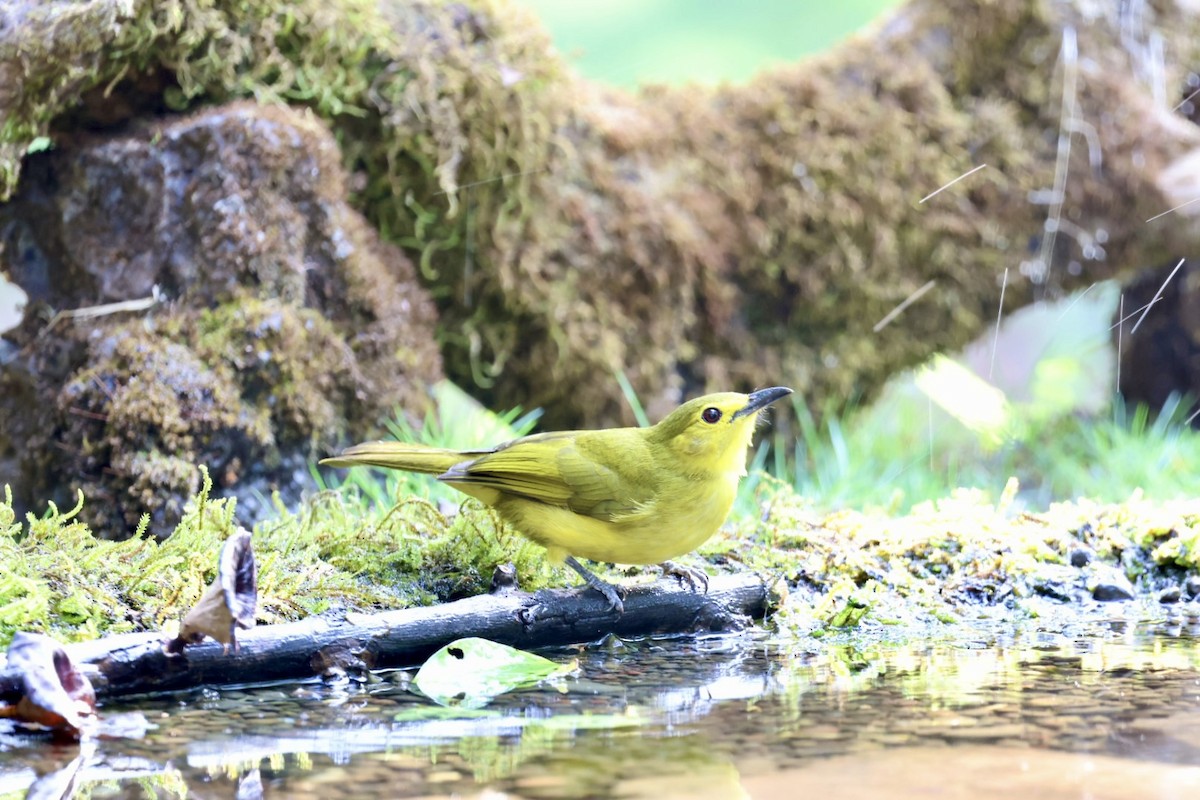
(761, 399)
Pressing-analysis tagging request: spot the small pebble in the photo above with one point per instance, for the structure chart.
(1108, 584)
(1169, 595)
(1080, 557)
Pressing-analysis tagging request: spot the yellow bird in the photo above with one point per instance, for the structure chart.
(627, 495)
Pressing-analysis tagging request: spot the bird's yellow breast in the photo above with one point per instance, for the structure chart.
(649, 535)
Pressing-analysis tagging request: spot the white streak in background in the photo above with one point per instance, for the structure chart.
(898, 310)
(1069, 54)
(493, 180)
(1158, 68)
(1078, 297)
(999, 313)
(1123, 319)
(1120, 330)
(1091, 245)
(1176, 208)
(1088, 131)
(1145, 46)
(1158, 294)
(944, 187)
(1188, 421)
(1068, 121)
(1179, 105)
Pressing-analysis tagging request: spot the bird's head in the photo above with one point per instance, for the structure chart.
(711, 433)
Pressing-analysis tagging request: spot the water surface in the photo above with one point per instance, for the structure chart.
(1110, 711)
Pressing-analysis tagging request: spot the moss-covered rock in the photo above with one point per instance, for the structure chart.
(689, 238)
(275, 324)
(138, 418)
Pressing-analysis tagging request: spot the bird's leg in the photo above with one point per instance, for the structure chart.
(610, 592)
(691, 576)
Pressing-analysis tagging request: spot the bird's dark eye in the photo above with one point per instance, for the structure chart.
(711, 415)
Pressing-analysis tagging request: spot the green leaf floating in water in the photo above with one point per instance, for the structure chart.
(468, 673)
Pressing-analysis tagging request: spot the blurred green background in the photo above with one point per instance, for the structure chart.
(627, 43)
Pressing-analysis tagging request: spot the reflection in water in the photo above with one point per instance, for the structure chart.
(1076, 714)
(971, 772)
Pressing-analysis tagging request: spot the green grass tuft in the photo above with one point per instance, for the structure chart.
(903, 451)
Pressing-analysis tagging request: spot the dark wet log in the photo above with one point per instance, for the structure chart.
(137, 663)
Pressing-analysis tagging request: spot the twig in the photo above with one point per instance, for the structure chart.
(1176, 208)
(1157, 295)
(91, 312)
(136, 663)
(1071, 305)
(999, 314)
(941, 189)
(1122, 319)
(493, 180)
(908, 301)
(1179, 105)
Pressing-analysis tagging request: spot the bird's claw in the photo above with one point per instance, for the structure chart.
(611, 593)
(693, 577)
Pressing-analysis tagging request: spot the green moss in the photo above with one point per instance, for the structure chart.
(291, 364)
(333, 552)
(423, 94)
(961, 557)
(142, 415)
(290, 327)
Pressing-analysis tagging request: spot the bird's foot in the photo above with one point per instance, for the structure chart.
(611, 593)
(695, 578)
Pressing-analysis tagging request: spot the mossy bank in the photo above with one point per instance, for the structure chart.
(965, 558)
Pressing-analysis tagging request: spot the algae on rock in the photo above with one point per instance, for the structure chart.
(964, 556)
(283, 325)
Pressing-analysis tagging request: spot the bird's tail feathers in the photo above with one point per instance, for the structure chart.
(398, 455)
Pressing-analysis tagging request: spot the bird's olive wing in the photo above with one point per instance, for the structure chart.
(527, 467)
(604, 490)
(560, 471)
